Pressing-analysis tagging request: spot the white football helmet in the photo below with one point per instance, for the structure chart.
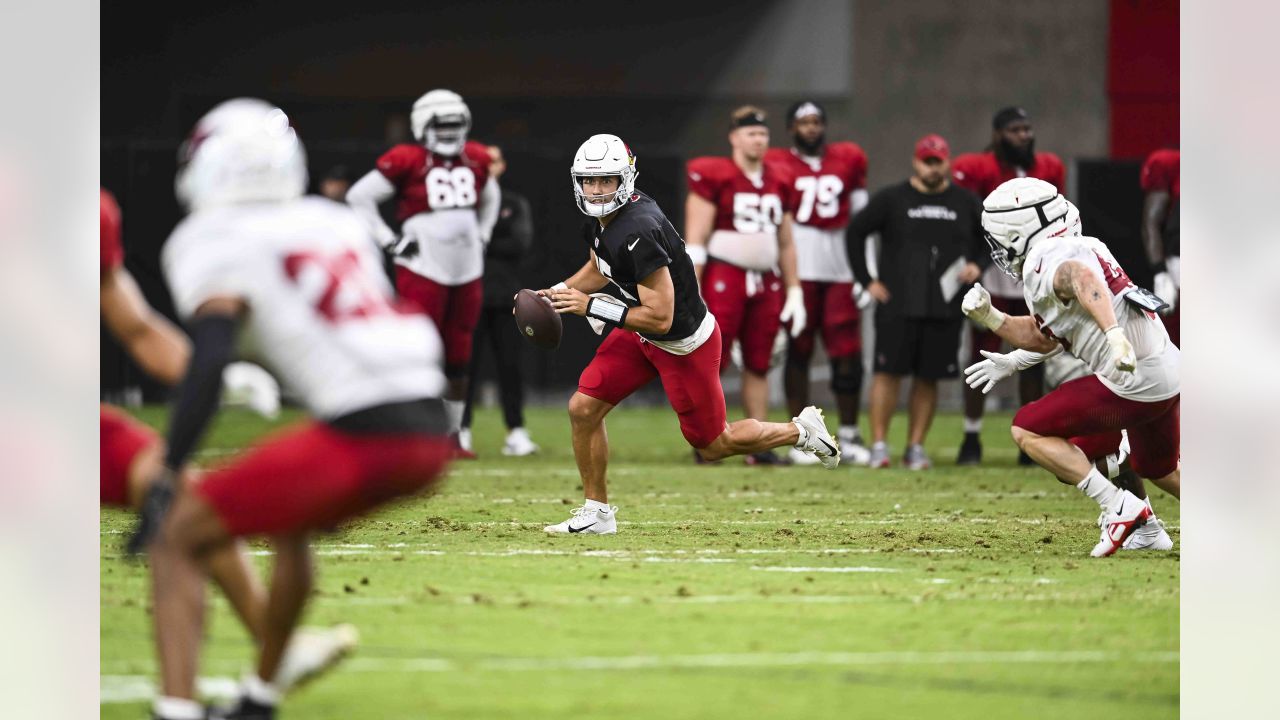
(441, 120)
(1075, 227)
(604, 156)
(243, 150)
(1018, 213)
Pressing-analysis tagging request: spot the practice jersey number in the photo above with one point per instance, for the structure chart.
(820, 194)
(753, 213)
(451, 187)
(335, 284)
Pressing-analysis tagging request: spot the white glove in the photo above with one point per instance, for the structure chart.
(793, 310)
(1164, 288)
(977, 307)
(861, 296)
(997, 367)
(405, 247)
(247, 384)
(1125, 358)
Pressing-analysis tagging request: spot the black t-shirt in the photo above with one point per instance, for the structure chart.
(512, 238)
(921, 235)
(638, 241)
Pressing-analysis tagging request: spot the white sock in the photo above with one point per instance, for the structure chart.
(172, 708)
(260, 691)
(1098, 488)
(597, 505)
(850, 431)
(972, 426)
(804, 435)
(453, 410)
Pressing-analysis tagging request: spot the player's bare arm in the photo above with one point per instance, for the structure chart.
(1019, 331)
(653, 315)
(699, 219)
(152, 341)
(1155, 206)
(787, 253)
(1074, 280)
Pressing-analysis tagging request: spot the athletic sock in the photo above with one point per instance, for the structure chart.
(597, 505)
(172, 708)
(972, 426)
(804, 435)
(851, 433)
(260, 691)
(1099, 488)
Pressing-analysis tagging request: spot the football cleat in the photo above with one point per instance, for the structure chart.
(819, 441)
(1127, 513)
(587, 521)
(244, 709)
(853, 450)
(519, 444)
(800, 457)
(311, 651)
(970, 450)
(764, 457)
(879, 456)
(1151, 536)
(464, 439)
(915, 458)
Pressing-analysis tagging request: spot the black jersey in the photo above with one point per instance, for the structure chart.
(637, 242)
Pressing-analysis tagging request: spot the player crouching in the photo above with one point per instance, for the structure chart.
(1084, 304)
(661, 328)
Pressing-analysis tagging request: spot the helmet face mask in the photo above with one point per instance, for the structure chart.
(1019, 213)
(441, 121)
(243, 150)
(603, 156)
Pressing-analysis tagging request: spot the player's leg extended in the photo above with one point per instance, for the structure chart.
(1156, 449)
(619, 368)
(590, 444)
(291, 579)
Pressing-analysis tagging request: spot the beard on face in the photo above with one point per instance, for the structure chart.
(933, 180)
(809, 148)
(1023, 158)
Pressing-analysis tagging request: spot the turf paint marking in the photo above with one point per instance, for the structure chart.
(139, 688)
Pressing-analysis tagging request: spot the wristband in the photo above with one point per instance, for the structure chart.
(560, 286)
(697, 254)
(993, 318)
(614, 313)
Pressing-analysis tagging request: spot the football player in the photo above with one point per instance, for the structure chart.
(299, 280)
(1082, 302)
(660, 328)
(131, 453)
(738, 218)
(1160, 231)
(829, 182)
(1011, 154)
(447, 204)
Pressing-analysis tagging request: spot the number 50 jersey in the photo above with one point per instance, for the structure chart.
(321, 314)
(748, 211)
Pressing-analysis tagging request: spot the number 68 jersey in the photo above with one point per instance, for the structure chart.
(321, 314)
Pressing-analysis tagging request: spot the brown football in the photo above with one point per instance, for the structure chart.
(537, 321)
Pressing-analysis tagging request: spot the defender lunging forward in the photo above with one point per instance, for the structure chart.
(661, 328)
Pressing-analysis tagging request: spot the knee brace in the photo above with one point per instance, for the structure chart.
(846, 375)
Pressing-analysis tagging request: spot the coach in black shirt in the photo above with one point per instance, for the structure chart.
(930, 236)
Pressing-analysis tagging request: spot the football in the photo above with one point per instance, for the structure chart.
(537, 321)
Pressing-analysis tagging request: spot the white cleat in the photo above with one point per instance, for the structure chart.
(819, 441)
(587, 521)
(464, 439)
(1151, 536)
(799, 457)
(1127, 514)
(519, 444)
(311, 651)
(852, 450)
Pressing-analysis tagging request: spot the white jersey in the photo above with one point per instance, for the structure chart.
(820, 254)
(321, 313)
(451, 248)
(1157, 374)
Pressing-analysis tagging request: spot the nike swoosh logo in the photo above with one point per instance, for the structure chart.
(632, 246)
(1120, 510)
(829, 446)
(1039, 264)
(584, 527)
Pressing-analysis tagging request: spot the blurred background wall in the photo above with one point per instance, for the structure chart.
(542, 76)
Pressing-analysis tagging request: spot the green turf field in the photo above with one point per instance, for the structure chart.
(729, 592)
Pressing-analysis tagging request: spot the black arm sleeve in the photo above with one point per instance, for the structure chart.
(865, 222)
(212, 341)
(978, 252)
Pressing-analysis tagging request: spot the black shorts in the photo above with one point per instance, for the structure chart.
(920, 347)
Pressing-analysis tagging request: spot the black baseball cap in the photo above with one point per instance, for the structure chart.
(1008, 115)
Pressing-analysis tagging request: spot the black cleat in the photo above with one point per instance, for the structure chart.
(765, 458)
(970, 450)
(244, 709)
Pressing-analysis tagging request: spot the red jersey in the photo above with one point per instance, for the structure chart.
(112, 252)
(980, 173)
(821, 188)
(741, 204)
(1160, 172)
(425, 181)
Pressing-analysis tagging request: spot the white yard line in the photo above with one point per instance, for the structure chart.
(139, 688)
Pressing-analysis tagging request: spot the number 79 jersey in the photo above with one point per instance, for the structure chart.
(321, 312)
